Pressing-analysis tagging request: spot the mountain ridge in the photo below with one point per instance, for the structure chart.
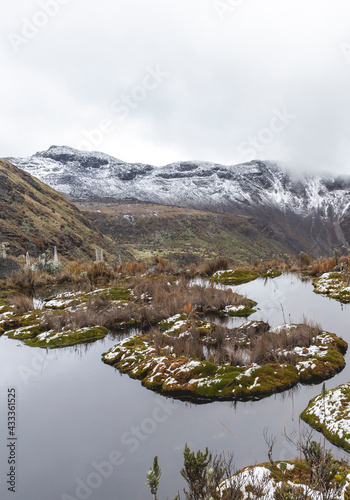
(83, 175)
(309, 212)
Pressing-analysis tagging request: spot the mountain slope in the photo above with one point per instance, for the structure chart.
(185, 235)
(309, 213)
(34, 217)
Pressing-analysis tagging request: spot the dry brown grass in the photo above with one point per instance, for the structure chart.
(99, 311)
(164, 266)
(189, 345)
(321, 266)
(263, 347)
(240, 346)
(209, 268)
(23, 303)
(170, 297)
(279, 265)
(155, 299)
(133, 268)
(26, 279)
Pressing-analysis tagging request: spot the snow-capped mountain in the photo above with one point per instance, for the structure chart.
(91, 175)
(307, 212)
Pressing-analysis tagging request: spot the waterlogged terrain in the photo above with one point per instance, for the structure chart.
(81, 414)
(78, 317)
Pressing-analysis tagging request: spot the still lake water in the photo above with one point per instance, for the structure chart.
(76, 414)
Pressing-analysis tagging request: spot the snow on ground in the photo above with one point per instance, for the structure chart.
(333, 411)
(259, 478)
(234, 308)
(334, 284)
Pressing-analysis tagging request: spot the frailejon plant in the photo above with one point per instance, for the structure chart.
(55, 256)
(153, 478)
(45, 264)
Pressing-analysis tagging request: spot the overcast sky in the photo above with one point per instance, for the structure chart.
(158, 81)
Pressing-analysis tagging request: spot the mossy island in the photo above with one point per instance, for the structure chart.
(61, 320)
(204, 361)
(241, 276)
(329, 413)
(234, 277)
(335, 285)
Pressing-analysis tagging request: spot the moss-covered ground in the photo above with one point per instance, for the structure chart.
(32, 329)
(335, 285)
(329, 413)
(235, 277)
(53, 340)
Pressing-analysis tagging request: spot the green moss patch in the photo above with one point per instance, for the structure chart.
(271, 273)
(235, 277)
(323, 360)
(67, 299)
(58, 311)
(62, 300)
(242, 310)
(4, 307)
(15, 322)
(118, 294)
(25, 332)
(330, 414)
(180, 324)
(52, 340)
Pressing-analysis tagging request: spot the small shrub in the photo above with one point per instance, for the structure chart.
(209, 268)
(305, 259)
(23, 303)
(25, 279)
(47, 266)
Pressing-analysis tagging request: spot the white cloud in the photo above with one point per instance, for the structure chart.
(226, 78)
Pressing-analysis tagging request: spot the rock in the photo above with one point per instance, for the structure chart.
(8, 266)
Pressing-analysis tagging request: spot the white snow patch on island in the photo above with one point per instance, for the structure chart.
(255, 384)
(234, 308)
(333, 411)
(260, 475)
